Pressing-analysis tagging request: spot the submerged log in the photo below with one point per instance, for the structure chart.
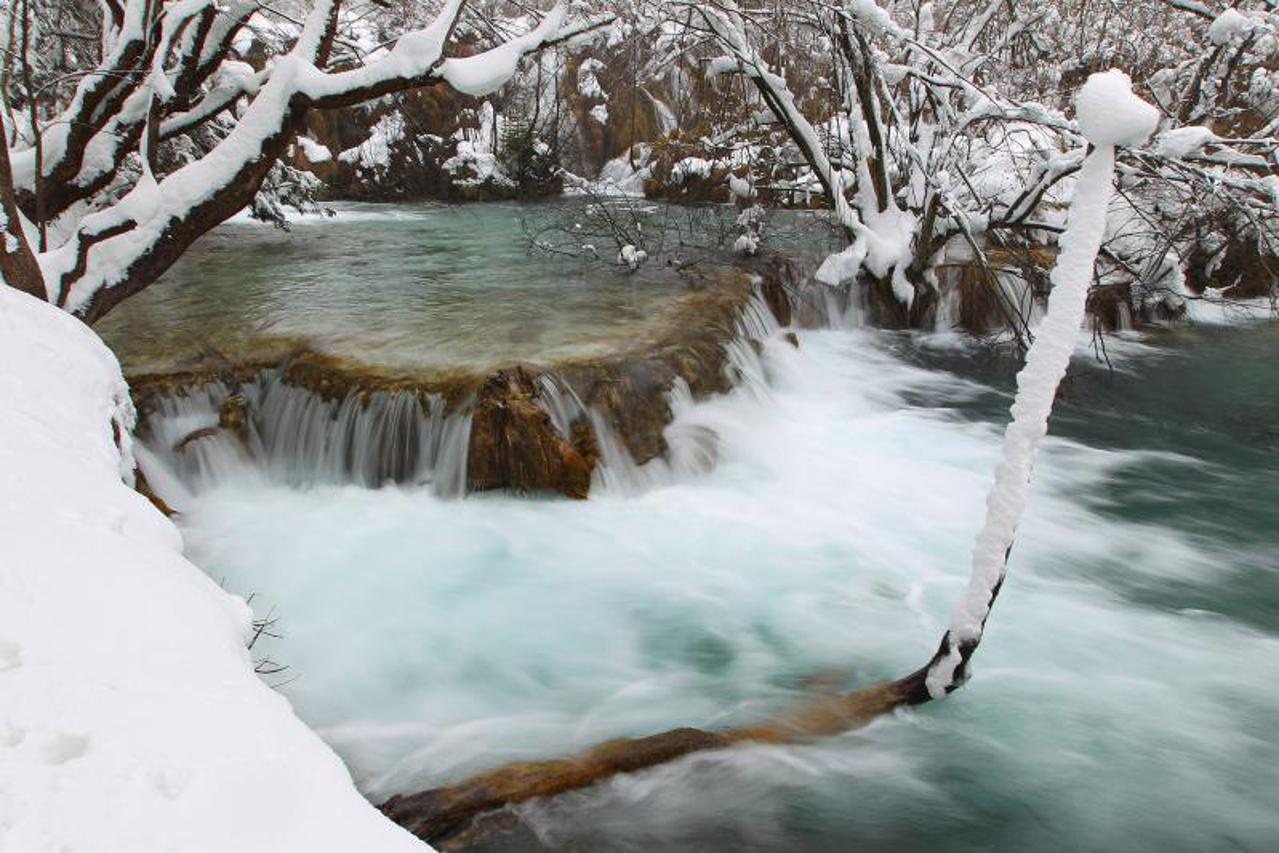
(444, 815)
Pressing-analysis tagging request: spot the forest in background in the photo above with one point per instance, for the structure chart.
(937, 138)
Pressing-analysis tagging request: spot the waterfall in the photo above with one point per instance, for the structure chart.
(298, 438)
(690, 447)
(270, 430)
(368, 438)
(755, 326)
(558, 399)
(184, 448)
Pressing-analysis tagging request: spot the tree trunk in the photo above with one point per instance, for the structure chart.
(17, 264)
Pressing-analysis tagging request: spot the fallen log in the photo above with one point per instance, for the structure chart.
(441, 814)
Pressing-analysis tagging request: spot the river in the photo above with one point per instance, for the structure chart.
(1126, 695)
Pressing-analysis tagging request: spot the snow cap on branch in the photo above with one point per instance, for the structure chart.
(1109, 113)
(1228, 25)
(874, 17)
(487, 72)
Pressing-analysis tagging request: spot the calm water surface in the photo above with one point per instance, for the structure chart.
(425, 286)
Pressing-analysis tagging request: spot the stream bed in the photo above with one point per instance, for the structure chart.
(1126, 695)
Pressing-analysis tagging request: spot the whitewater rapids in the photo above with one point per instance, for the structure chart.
(1124, 697)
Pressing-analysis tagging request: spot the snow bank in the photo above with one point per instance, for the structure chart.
(130, 716)
(1211, 309)
(314, 151)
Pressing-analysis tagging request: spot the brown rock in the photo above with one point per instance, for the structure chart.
(234, 417)
(515, 446)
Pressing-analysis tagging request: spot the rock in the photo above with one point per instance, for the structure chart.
(234, 417)
(514, 445)
(194, 436)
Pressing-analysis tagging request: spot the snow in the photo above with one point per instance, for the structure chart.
(314, 151)
(841, 267)
(373, 153)
(873, 16)
(181, 192)
(11, 244)
(599, 112)
(617, 178)
(1212, 309)
(588, 83)
(691, 167)
(1229, 25)
(474, 162)
(1109, 113)
(740, 187)
(631, 257)
(486, 72)
(1184, 141)
(130, 715)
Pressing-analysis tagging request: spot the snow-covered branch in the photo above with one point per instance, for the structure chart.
(1109, 114)
(169, 70)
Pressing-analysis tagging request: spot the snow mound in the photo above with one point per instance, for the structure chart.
(130, 717)
(1109, 113)
(314, 151)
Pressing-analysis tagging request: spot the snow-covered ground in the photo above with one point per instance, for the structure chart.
(130, 715)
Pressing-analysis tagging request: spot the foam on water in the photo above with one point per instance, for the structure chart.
(431, 638)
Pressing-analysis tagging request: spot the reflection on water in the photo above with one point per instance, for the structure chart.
(423, 285)
(1126, 696)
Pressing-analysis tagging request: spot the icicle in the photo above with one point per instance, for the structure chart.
(1109, 114)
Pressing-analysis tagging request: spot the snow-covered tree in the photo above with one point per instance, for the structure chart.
(935, 136)
(182, 117)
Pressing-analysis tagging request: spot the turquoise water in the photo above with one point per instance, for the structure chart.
(423, 286)
(1126, 696)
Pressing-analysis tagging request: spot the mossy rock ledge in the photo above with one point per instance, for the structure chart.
(515, 443)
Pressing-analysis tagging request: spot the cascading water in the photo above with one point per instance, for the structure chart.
(367, 439)
(806, 531)
(825, 542)
(297, 437)
(690, 448)
(370, 438)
